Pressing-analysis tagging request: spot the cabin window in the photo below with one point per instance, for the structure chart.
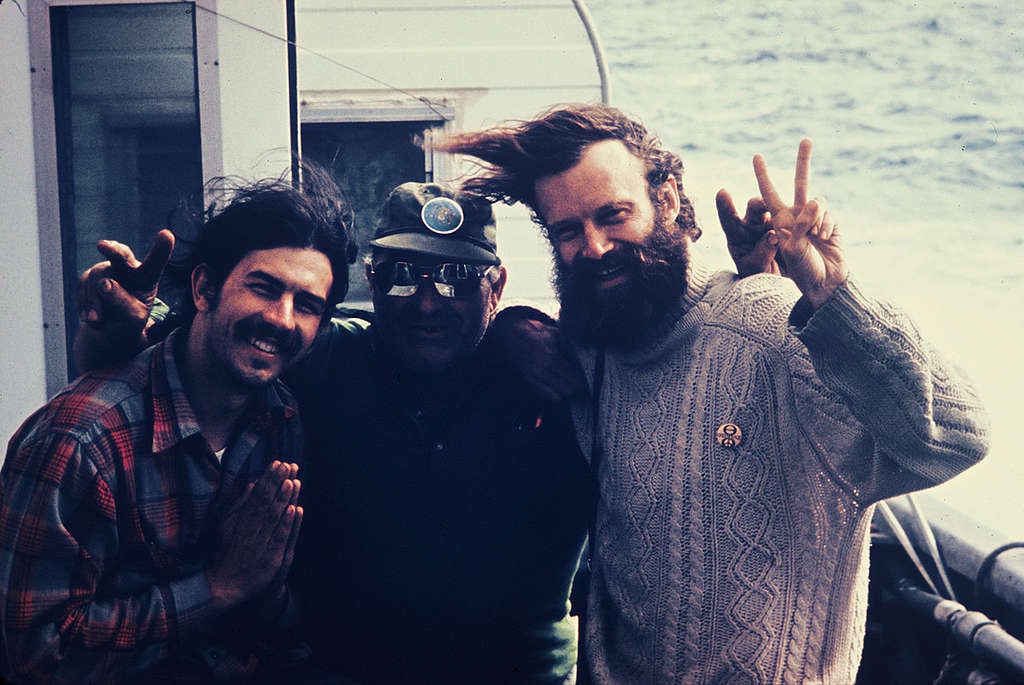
(368, 159)
(128, 142)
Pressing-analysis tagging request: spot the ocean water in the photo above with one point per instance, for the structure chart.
(917, 114)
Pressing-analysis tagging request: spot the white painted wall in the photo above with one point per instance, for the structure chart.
(489, 60)
(22, 372)
(248, 120)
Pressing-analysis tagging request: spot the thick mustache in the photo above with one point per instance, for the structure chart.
(289, 342)
(587, 267)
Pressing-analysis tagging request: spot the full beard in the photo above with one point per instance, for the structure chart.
(621, 316)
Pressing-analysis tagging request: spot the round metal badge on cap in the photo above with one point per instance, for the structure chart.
(442, 215)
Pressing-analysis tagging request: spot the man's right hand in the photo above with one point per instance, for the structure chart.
(808, 237)
(257, 536)
(114, 300)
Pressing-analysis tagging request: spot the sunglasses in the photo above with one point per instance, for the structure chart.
(401, 279)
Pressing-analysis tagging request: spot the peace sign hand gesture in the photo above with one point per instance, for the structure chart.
(809, 241)
(114, 300)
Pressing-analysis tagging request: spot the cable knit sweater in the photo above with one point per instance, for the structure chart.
(746, 562)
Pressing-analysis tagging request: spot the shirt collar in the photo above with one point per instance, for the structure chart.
(174, 419)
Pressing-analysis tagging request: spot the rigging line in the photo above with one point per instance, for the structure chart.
(906, 544)
(925, 529)
(426, 101)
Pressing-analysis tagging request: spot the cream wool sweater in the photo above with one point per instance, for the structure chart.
(748, 564)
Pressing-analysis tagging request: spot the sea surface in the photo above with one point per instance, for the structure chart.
(916, 110)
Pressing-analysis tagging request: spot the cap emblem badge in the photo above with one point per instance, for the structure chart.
(442, 215)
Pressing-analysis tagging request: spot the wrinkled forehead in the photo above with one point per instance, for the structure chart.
(607, 172)
(303, 267)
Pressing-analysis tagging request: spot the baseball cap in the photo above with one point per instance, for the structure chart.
(433, 220)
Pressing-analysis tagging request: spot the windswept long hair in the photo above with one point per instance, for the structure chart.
(241, 217)
(514, 156)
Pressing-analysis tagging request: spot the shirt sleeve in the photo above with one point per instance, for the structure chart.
(923, 419)
(58, 533)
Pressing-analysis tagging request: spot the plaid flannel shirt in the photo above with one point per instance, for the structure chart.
(109, 503)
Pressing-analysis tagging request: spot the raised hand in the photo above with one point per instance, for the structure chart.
(114, 300)
(808, 239)
(122, 289)
(257, 536)
(752, 243)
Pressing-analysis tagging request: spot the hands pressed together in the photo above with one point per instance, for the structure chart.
(257, 537)
(800, 241)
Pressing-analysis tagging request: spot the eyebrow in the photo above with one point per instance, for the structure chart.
(565, 223)
(614, 205)
(273, 280)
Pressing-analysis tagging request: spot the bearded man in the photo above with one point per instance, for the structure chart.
(741, 430)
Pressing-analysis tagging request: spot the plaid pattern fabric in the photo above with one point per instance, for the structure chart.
(109, 504)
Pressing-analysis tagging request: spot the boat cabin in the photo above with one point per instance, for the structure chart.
(114, 110)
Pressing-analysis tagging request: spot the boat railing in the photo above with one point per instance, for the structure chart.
(956, 575)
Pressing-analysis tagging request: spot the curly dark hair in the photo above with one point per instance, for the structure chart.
(241, 217)
(514, 156)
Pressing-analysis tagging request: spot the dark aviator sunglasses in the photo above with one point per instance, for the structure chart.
(401, 279)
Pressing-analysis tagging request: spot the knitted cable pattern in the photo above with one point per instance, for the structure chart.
(748, 563)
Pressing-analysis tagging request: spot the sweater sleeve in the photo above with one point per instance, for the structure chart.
(58, 531)
(923, 420)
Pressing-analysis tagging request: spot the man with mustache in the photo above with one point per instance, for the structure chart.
(447, 501)
(149, 512)
(741, 430)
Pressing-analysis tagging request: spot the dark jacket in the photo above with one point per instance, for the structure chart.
(437, 546)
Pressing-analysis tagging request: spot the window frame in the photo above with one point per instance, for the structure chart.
(45, 140)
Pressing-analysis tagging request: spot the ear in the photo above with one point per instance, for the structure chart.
(668, 199)
(203, 294)
(498, 286)
(371, 280)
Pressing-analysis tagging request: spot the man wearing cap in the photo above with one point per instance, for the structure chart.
(446, 501)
